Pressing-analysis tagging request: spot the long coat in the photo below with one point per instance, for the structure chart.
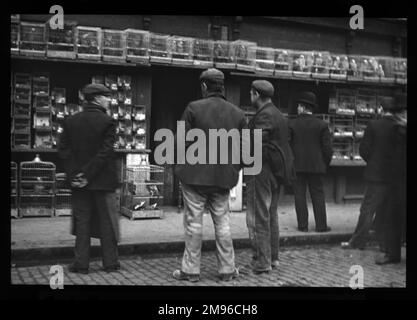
(86, 145)
(274, 132)
(377, 149)
(310, 143)
(212, 112)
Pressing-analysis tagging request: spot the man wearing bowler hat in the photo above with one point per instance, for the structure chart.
(263, 189)
(311, 145)
(206, 185)
(86, 148)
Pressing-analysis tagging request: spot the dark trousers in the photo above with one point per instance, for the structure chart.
(262, 218)
(395, 218)
(94, 207)
(315, 186)
(373, 204)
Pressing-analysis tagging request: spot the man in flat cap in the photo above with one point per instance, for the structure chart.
(86, 148)
(376, 148)
(208, 185)
(311, 144)
(263, 189)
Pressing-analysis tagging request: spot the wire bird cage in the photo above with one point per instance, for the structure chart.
(360, 125)
(244, 54)
(137, 45)
(14, 37)
(341, 126)
(113, 45)
(181, 50)
(203, 52)
(302, 63)
(283, 62)
(61, 42)
(159, 48)
(36, 188)
(88, 42)
(264, 60)
(63, 205)
(321, 65)
(32, 39)
(143, 192)
(222, 57)
(13, 190)
(342, 149)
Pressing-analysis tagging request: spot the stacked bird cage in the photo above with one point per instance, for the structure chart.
(61, 42)
(22, 111)
(159, 48)
(369, 68)
(302, 63)
(14, 213)
(36, 188)
(113, 45)
(143, 192)
(321, 65)
(137, 46)
(365, 103)
(88, 43)
(14, 36)
(283, 62)
(222, 57)
(203, 52)
(265, 60)
(181, 50)
(62, 196)
(244, 54)
(32, 39)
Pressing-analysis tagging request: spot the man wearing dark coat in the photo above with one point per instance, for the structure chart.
(376, 149)
(86, 148)
(206, 185)
(263, 189)
(311, 145)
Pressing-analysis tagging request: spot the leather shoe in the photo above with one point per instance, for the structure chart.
(229, 276)
(179, 275)
(74, 269)
(348, 245)
(324, 230)
(303, 229)
(385, 260)
(112, 268)
(275, 264)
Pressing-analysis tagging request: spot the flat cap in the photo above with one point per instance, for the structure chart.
(264, 87)
(212, 74)
(96, 89)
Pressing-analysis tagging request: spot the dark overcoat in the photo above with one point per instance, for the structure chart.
(86, 146)
(311, 144)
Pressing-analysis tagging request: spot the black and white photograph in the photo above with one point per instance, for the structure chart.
(208, 151)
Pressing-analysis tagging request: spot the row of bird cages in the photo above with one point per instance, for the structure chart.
(128, 112)
(130, 141)
(39, 206)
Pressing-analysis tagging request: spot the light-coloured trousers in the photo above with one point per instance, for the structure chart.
(196, 202)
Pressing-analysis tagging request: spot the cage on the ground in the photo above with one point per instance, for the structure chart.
(36, 188)
(113, 46)
(32, 39)
(302, 63)
(243, 53)
(321, 64)
(203, 52)
(61, 41)
(159, 48)
(181, 50)
(143, 191)
(137, 45)
(88, 42)
(264, 60)
(63, 206)
(13, 190)
(222, 56)
(339, 66)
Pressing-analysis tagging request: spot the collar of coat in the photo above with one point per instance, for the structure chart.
(263, 107)
(216, 94)
(94, 107)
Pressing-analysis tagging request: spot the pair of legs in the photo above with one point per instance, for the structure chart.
(315, 186)
(196, 200)
(373, 204)
(86, 204)
(262, 218)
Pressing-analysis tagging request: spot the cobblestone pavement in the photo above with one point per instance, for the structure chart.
(310, 266)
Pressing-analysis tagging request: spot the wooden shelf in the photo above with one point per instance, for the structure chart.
(347, 163)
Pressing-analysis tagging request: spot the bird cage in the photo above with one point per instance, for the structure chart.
(243, 53)
(139, 142)
(113, 46)
(339, 67)
(32, 39)
(355, 151)
(181, 50)
(36, 188)
(14, 37)
(354, 73)
(143, 192)
(345, 103)
(341, 126)
(400, 70)
(264, 60)
(342, 149)
(365, 103)
(283, 62)
(360, 125)
(159, 48)
(61, 42)
(386, 69)
(21, 124)
(203, 52)
(13, 190)
(21, 140)
(63, 192)
(302, 63)
(368, 67)
(40, 84)
(22, 88)
(223, 55)
(137, 45)
(321, 65)
(88, 42)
